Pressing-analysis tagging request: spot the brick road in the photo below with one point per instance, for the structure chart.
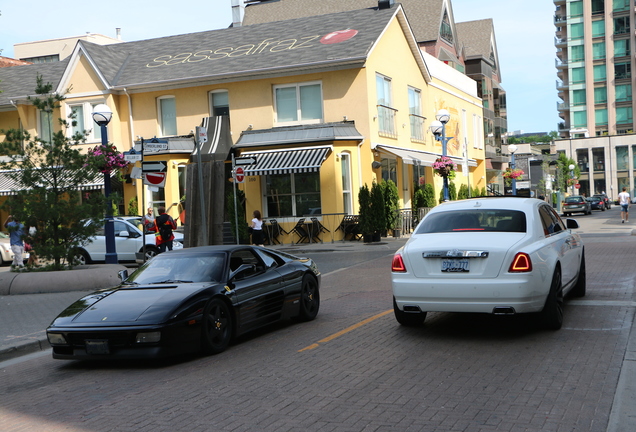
(460, 372)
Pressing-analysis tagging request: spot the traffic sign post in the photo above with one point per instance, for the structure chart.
(154, 166)
(245, 161)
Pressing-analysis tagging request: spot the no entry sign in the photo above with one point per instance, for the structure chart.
(239, 175)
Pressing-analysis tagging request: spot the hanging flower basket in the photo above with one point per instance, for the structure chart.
(105, 158)
(512, 174)
(572, 181)
(444, 167)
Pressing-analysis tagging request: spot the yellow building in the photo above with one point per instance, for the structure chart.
(324, 104)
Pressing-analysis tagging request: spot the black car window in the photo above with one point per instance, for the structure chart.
(180, 268)
(551, 221)
(558, 222)
(490, 220)
(245, 256)
(119, 227)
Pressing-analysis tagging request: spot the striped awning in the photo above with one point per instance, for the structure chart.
(286, 161)
(419, 157)
(8, 185)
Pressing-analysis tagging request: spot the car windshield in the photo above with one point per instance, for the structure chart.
(489, 220)
(172, 268)
(573, 199)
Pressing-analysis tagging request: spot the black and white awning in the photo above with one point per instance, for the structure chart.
(286, 161)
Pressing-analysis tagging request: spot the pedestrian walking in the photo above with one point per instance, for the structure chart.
(16, 235)
(164, 225)
(624, 201)
(257, 229)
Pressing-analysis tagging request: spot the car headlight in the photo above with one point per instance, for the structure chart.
(148, 337)
(56, 339)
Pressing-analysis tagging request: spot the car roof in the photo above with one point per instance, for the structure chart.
(211, 249)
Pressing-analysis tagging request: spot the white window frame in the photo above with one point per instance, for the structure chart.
(211, 99)
(386, 111)
(94, 134)
(416, 119)
(41, 127)
(298, 107)
(347, 183)
(160, 123)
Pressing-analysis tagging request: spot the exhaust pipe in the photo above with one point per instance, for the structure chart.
(503, 310)
(408, 308)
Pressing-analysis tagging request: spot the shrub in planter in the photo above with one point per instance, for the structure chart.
(378, 218)
(364, 221)
(391, 205)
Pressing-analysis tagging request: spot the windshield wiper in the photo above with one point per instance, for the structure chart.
(129, 283)
(173, 281)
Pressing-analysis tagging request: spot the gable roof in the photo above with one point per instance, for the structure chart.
(478, 38)
(238, 53)
(424, 15)
(18, 82)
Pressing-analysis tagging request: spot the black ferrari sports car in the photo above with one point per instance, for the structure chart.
(187, 301)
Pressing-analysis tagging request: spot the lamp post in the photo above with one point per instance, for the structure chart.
(438, 128)
(102, 115)
(572, 176)
(512, 148)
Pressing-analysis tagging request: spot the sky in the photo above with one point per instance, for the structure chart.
(524, 31)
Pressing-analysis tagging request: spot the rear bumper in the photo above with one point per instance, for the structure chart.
(480, 296)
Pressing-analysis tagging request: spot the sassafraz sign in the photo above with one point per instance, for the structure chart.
(265, 46)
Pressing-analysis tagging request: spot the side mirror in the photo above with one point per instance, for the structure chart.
(571, 224)
(123, 234)
(123, 274)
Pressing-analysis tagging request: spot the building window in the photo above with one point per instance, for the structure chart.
(43, 59)
(624, 115)
(445, 30)
(578, 75)
(386, 113)
(293, 195)
(580, 118)
(600, 117)
(345, 167)
(598, 28)
(598, 7)
(576, 8)
(219, 103)
(298, 103)
(598, 159)
(621, 47)
(620, 5)
(600, 73)
(621, 25)
(167, 106)
(415, 114)
(598, 50)
(622, 158)
(389, 169)
(576, 31)
(45, 126)
(600, 95)
(577, 53)
(623, 93)
(623, 70)
(83, 117)
(578, 97)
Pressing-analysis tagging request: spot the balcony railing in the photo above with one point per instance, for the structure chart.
(417, 127)
(386, 121)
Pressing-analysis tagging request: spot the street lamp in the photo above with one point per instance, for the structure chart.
(512, 148)
(572, 176)
(102, 115)
(438, 128)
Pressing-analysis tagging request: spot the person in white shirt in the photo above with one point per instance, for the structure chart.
(623, 200)
(258, 237)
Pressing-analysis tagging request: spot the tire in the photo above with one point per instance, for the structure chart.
(579, 288)
(151, 252)
(408, 319)
(217, 327)
(81, 257)
(309, 299)
(602, 208)
(552, 313)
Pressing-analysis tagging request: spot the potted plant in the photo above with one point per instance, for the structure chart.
(511, 174)
(444, 167)
(364, 219)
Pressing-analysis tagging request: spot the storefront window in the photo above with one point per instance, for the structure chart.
(389, 169)
(598, 158)
(293, 195)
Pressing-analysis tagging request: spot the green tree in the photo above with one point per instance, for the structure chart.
(429, 195)
(391, 204)
(452, 191)
(47, 173)
(563, 171)
(378, 218)
(364, 201)
(463, 192)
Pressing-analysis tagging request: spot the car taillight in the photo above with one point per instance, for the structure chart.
(521, 263)
(398, 264)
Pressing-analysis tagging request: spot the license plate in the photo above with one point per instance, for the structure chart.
(96, 347)
(455, 265)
